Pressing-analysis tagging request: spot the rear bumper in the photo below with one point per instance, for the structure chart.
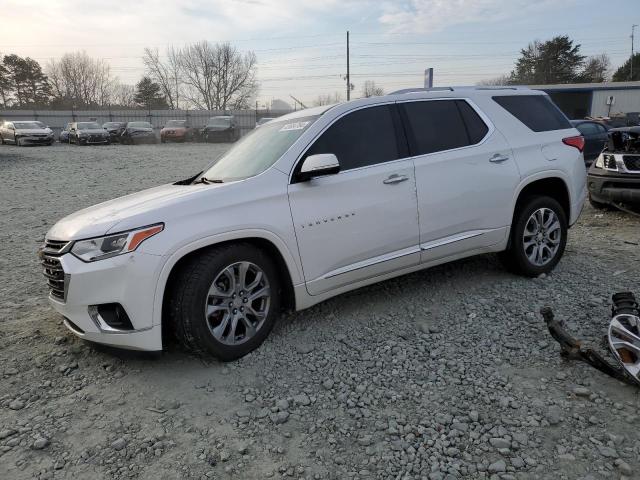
(612, 187)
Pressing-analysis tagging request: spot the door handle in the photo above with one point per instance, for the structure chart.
(395, 178)
(498, 158)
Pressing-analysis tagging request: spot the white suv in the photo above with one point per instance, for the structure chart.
(316, 203)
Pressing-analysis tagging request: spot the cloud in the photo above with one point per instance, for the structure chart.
(426, 16)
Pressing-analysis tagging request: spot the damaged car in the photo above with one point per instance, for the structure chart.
(115, 130)
(26, 133)
(88, 133)
(614, 178)
(220, 129)
(176, 131)
(138, 132)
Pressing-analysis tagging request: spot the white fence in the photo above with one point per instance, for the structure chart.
(58, 119)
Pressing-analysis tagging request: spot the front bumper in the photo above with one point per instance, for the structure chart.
(129, 280)
(607, 187)
(26, 140)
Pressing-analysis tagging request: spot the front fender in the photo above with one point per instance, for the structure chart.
(172, 259)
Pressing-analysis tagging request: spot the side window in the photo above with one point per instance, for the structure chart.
(361, 138)
(537, 112)
(434, 125)
(601, 129)
(476, 127)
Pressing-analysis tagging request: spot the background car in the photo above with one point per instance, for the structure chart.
(263, 120)
(220, 129)
(595, 138)
(138, 132)
(115, 130)
(88, 133)
(176, 131)
(26, 133)
(64, 134)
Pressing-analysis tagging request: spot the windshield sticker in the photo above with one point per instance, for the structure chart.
(294, 126)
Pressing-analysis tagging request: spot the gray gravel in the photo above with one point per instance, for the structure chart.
(443, 374)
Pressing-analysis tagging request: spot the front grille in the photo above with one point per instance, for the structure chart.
(632, 162)
(56, 278)
(96, 138)
(55, 247)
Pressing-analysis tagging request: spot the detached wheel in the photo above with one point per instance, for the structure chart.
(225, 301)
(538, 237)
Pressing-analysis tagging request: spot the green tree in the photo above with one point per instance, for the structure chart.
(554, 61)
(26, 81)
(623, 73)
(5, 84)
(149, 94)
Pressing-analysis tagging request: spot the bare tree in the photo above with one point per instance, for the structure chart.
(496, 81)
(370, 89)
(218, 76)
(80, 80)
(123, 95)
(166, 73)
(596, 69)
(328, 99)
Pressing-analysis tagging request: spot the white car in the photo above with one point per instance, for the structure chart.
(23, 133)
(316, 203)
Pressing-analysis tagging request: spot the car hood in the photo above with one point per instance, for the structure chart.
(92, 131)
(33, 130)
(176, 129)
(130, 211)
(140, 130)
(217, 127)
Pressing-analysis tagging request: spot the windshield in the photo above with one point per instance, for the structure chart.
(27, 125)
(258, 150)
(139, 125)
(176, 123)
(111, 124)
(219, 122)
(88, 126)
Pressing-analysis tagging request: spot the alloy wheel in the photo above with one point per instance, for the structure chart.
(542, 236)
(237, 303)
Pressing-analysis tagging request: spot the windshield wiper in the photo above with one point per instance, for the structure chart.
(208, 181)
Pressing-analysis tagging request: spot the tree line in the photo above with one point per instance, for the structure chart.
(204, 75)
(217, 76)
(559, 60)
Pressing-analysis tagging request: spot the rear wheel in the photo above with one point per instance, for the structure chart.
(538, 237)
(225, 301)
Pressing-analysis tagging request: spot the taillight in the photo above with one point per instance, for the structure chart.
(577, 142)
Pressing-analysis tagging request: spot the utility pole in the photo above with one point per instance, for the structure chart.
(633, 27)
(348, 78)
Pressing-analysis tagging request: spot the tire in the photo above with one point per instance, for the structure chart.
(1, 140)
(17, 141)
(550, 242)
(192, 287)
(598, 205)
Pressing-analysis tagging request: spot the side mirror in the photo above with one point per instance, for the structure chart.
(318, 165)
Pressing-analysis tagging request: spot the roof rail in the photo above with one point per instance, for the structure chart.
(452, 89)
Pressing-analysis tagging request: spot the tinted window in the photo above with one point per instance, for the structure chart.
(434, 126)
(364, 137)
(588, 128)
(536, 111)
(476, 128)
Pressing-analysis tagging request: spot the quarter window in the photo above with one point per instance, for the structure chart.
(537, 112)
(437, 125)
(361, 138)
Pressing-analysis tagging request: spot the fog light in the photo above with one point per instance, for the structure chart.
(110, 317)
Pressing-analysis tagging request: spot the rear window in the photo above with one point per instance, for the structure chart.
(536, 111)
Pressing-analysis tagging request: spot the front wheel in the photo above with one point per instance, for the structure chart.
(225, 301)
(538, 237)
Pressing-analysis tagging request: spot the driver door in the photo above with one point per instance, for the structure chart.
(363, 221)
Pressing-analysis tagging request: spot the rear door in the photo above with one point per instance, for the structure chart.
(465, 176)
(361, 222)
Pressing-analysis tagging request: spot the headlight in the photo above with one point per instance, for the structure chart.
(109, 246)
(600, 161)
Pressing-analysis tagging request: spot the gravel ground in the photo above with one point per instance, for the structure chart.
(443, 374)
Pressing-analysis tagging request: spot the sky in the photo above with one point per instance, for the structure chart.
(301, 44)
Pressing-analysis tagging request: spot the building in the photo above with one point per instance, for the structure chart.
(579, 100)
